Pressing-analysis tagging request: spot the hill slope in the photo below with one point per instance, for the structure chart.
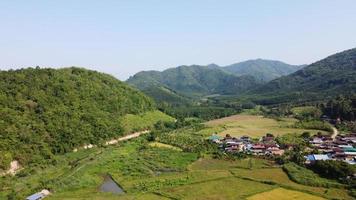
(331, 76)
(176, 84)
(47, 111)
(194, 80)
(263, 70)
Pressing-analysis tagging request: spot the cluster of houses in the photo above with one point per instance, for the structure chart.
(342, 147)
(265, 146)
(328, 148)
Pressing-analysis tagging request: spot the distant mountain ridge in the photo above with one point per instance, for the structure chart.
(263, 70)
(197, 80)
(328, 77)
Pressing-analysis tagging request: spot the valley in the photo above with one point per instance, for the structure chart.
(178, 100)
(81, 134)
(171, 170)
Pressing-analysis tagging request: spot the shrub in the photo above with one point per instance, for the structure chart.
(333, 169)
(307, 177)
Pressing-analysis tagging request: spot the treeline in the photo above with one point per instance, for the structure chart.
(207, 110)
(46, 111)
(343, 107)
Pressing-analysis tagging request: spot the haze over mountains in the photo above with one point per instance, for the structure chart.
(197, 80)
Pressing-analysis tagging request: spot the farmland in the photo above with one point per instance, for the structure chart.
(256, 126)
(281, 193)
(170, 167)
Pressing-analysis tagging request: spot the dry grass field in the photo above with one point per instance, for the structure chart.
(256, 126)
(280, 193)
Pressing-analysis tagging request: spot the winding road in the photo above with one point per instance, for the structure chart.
(335, 133)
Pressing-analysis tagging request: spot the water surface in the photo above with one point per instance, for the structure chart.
(109, 185)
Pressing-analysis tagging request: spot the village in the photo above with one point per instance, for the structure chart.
(320, 147)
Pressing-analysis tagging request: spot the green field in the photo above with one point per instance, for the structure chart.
(147, 171)
(168, 168)
(256, 126)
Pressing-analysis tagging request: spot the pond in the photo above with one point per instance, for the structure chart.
(109, 185)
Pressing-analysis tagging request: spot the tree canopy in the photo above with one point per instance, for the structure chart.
(47, 111)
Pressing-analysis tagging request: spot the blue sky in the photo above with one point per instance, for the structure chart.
(123, 37)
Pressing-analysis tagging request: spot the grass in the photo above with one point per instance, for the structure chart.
(304, 110)
(162, 145)
(256, 126)
(254, 111)
(281, 193)
(215, 164)
(278, 177)
(307, 177)
(147, 172)
(154, 170)
(93, 194)
(84, 169)
(132, 123)
(225, 188)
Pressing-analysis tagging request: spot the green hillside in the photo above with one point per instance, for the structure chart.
(326, 78)
(46, 111)
(263, 70)
(194, 80)
(176, 84)
(162, 94)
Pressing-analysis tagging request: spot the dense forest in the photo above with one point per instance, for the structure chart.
(196, 80)
(47, 111)
(343, 107)
(326, 78)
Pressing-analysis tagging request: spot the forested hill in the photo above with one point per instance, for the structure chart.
(329, 77)
(194, 80)
(263, 70)
(48, 111)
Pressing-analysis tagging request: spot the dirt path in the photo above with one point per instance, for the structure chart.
(115, 141)
(127, 137)
(335, 133)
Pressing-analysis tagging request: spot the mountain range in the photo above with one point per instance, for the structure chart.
(197, 80)
(326, 78)
(260, 81)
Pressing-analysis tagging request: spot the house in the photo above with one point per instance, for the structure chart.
(316, 141)
(39, 195)
(276, 151)
(234, 145)
(258, 149)
(215, 138)
(245, 138)
(315, 157)
(36, 196)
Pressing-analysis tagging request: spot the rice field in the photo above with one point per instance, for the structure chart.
(256, 126)
(155, 170)
(281, 193)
